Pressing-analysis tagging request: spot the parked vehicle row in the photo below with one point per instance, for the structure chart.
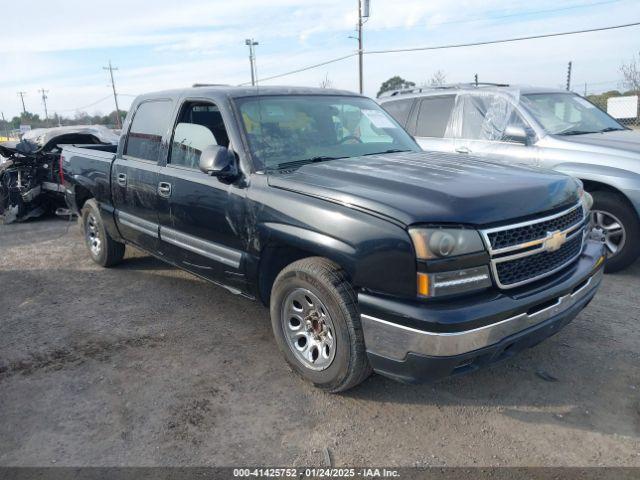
(371, 254)
(539, 127)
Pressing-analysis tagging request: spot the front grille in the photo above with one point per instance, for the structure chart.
(534, 231)
(521, 269)
(523, 252)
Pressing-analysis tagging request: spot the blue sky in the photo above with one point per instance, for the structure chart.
(160, 44)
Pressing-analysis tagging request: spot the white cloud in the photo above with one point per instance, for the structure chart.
(164, 44)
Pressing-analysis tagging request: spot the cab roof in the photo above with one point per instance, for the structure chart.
(230, 91)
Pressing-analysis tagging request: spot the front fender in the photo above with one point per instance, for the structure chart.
(627, 182)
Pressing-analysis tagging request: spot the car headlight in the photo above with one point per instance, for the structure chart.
(587, 201)
(432, 244)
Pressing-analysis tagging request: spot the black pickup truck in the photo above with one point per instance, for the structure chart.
(372, 254)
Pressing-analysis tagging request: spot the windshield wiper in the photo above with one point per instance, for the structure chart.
(299, 163)
(612, 129)
(391, 150)
(577, 132)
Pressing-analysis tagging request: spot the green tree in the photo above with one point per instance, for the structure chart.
(395, 83)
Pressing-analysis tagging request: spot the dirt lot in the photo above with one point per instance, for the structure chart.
(146, 365)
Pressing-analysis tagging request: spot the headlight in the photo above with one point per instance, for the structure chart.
(432, 243)
(453, 282)
(587, 201)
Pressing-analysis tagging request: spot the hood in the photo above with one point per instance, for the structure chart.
(623, 141)
(433, 187)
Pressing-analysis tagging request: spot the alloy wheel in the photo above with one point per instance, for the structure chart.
(612, 228)
(308, 329)
(92, 235)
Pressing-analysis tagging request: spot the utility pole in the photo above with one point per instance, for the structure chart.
(252, 59)
(363, 12)
(585, 89)
(24, 109)
(44, 101)
(115, 95)
(569, 77)
(6, 126)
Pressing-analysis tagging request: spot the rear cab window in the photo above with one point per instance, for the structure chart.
(150, 122)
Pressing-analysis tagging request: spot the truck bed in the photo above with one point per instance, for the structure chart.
(89, 167)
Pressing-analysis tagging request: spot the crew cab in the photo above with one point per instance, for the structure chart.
(370, 253)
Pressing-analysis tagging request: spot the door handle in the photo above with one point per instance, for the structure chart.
(164, 189)
(463, 150)
(122, 179)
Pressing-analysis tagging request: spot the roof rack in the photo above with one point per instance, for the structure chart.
(195, 85)
(407, 91)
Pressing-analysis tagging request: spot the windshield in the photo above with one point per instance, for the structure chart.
(287, 131)
(568, 114)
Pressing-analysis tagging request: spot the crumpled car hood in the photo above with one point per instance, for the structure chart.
(431, 187)
(40, 139)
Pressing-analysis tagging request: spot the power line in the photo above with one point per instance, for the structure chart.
(441, 47)
(333, 60)
(505, 40)
(85, 106)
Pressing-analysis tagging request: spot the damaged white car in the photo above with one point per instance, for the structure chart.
(30, 173)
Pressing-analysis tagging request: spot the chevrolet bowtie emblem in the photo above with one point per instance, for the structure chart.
(554, 240)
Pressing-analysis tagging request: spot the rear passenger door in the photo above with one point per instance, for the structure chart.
(429, 121)
(135, 174)
(201, 217)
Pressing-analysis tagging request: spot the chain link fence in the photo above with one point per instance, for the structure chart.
(625, 108)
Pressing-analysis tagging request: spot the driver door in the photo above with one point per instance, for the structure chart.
(200, 216)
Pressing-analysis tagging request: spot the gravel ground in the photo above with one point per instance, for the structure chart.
(144, 364)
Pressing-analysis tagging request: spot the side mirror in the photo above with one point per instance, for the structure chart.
(218, 161)
(516, 134)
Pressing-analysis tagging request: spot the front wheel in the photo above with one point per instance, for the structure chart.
(618, 222)
(317, 326)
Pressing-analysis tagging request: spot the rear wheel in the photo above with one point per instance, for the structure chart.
(103, 249)
(317, 326)
(619, 224)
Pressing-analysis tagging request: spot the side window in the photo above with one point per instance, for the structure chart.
(189, 139)
(433, 116)
(149, 124)
(399, 109)
(199, 126)
(486, 117)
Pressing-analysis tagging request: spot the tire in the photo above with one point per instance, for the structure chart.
(103, 249)
(336, 322)
(609, 208)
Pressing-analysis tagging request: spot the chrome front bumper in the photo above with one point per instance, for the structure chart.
(394, 341)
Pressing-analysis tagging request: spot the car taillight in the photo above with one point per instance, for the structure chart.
(60, 172)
